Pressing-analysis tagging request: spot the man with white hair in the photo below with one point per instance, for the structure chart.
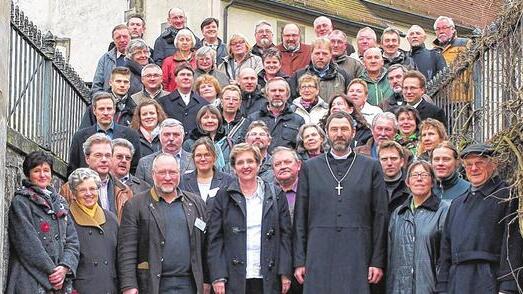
(375, 75)
(263, 36)
(447, 41)
(366, 38)
(322, 26)
(384, 128)
(164, 45)
(428, 62)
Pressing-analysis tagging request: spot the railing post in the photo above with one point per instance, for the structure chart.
(49, 47)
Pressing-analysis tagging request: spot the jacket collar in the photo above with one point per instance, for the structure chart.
(432, 203)
(487, 189)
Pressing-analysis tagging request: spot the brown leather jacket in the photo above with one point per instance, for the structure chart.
(121, 191)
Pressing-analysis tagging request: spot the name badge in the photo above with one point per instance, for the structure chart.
(200, 224)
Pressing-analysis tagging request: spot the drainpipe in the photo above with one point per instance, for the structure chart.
(226, 20)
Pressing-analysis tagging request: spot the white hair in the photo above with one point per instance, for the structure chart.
(444, 18)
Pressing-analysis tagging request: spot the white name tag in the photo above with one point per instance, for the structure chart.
(212, 192)
(200, 224)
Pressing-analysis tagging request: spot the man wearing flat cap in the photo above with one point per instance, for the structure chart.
(481, 245)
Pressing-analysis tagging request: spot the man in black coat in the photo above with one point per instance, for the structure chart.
(183, 104)
(104, 108)
(429, 62)
(481, 244)
(340, 217)
(120, 82)
(282, 121)
(161, 236)
(391, 156)
(252, 98)
(413, 90)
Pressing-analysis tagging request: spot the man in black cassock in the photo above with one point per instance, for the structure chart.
(340, 220)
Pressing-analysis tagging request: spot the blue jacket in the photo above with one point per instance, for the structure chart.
(450, 188)
(106, 63)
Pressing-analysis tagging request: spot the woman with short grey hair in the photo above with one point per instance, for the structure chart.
(206, 64)
(138, 55)
(97, 231)
(311, 141)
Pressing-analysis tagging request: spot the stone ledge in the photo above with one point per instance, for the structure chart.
(24, 146)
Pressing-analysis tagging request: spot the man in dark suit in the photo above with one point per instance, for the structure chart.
(171, 139)
(413, 90)
(104, 108)
(123, 152)
(183, 104)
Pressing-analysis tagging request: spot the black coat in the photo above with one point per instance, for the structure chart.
(142, 236)
(164, 45)
(226, 239)
(252, 102)
(478, 231)
(283, 128)
(136, 76)
(399, 194)
(174, 107)
(97, 268)
(123, 115)
(427, 109)
(76, 153)
(334, 82)
(429, 62)
(220, 180)
(147, 147)
(337, 238)
(403, 59)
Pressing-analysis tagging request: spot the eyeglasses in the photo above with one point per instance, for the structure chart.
(100, 155)
(90, 190)
(205, 155)
(308, 87)
(418, 175)
(122, 157)
(479, 164)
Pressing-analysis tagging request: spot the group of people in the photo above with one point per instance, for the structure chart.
(202, 167)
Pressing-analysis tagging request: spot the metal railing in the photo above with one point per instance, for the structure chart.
(480, 91)
(47, 98)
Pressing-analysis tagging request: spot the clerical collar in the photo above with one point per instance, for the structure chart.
(343, 156)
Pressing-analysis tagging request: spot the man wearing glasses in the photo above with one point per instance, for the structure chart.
(481, 244)
(152, 84)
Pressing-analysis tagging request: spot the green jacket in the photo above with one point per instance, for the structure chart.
(378, 90)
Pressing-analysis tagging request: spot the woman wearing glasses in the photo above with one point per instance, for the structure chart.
(415, 230)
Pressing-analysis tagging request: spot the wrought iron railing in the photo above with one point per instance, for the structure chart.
(46, 96)
(480, 91)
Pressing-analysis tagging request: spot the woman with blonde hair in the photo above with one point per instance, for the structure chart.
(432, 133)
(239, 57)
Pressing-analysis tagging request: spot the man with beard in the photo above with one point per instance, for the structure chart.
(111, 59)
(160, 241)
(428, 62)
(333, 81)
(164, 45)
(391, 156)
(340, 217)
(258, 135)
(295, 55)
(447, 42)
(278, 115)
(252, 98)
(263, 36)
(351, 66)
